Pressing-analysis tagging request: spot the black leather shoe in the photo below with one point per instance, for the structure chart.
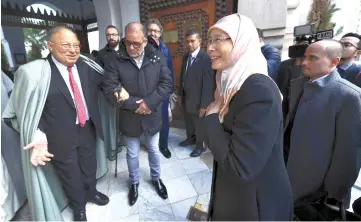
(187, 142)
(99, 199)
(79, 214)
(133, 194)
(166, 153)
(197, 152)
(160, 188)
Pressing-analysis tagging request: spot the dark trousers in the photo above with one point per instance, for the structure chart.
(192, 123)
(164, 132)
(77, 172)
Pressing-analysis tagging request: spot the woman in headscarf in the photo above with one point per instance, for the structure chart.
(244, 130)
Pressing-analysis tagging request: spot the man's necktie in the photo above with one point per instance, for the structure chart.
(80, 107)
(190, 61)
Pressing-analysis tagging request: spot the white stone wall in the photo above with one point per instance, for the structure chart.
(349, 16)
(297, 12)
(270, 16)
(115, 12)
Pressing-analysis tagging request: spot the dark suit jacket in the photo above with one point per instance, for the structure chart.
(325, 138)
(197, 85)
(287, 72)
(248, 156)
(59, 114)
(105, 55)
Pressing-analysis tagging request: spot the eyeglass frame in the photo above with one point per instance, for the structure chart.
(67, 46)
(154, 30)
(342, 43)
(132, 43)
(111, 35)
(217, 41)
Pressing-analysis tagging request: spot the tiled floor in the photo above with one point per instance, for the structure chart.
(188, 181)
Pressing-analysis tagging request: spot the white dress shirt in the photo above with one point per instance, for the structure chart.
(39, 135)
(140, 62)
(65, 74)
(194, 55)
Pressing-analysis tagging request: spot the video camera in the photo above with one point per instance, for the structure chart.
(304, 36)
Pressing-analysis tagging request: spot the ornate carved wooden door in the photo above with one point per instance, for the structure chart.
(178, 16)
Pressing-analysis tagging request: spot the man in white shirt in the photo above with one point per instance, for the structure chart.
(70, 122)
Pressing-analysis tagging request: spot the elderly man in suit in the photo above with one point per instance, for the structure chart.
(195, 90)
(322, 135)
(69, 122)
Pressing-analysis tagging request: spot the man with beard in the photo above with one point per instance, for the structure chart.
(347, 68)
(113, 140)
(111, 48)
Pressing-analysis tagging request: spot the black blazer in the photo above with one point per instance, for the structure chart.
(59, 114)
(197, 85)
(248, 155)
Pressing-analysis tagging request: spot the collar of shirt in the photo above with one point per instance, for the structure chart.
(345, 66)
(195, 53)
(116, 48)
(140, 62)
(59, 65)
(320, 78)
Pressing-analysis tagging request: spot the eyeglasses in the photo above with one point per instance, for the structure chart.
(67, 46)
(348, 45)
(217, 41)
(136, 45)
(112, 35)
(155, 31)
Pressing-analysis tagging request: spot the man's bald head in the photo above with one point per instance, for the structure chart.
(321, 58)
(331, 47)
(136, 27)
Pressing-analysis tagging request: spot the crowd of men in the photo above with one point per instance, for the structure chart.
(321, 105)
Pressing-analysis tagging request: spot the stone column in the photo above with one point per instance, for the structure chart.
(129, 11)
(297, 12)
(7, 49)
(15, 39)
(108, 13)
(270, 16)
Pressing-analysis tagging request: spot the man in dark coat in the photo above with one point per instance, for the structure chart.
(70, 121)
(141, 70)
(323, 127)
(113, 140)
(154, 30)
(195, 90)
(347, 68)
(111, 49)
(272, 56)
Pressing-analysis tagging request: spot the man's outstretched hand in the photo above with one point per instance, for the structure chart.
(39, 154)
